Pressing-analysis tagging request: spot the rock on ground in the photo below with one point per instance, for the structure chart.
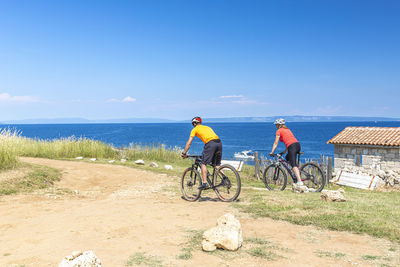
(332, 195)
(139, 162)
(226, 235)
(168, 167)
(93, 159)
(79, 158)
(81, 259)
(111, 161)
(299, 188)
(123, 160)
(154, 165)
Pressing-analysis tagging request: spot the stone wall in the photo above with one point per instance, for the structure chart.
(381, 162)
(367, 156)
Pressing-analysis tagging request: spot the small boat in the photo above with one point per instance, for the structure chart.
(245, 154)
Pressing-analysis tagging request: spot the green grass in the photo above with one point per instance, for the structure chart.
(329, 254)
(38, 177)
(12, 145)
(193, 243)
(365, 212)
(370, 257)
(141, 259)
(262, 252)
(8, 153)
(152, 153)
(257, 241)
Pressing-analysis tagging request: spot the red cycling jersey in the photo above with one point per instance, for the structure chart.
(286, 136)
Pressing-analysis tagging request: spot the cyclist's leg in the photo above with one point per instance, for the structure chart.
(291, 157)
(216, 160)
(206, 158)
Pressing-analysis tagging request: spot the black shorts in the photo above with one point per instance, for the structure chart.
(212, 152)
(291, 155)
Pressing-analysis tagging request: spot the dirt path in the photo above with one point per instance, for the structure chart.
(119, 211)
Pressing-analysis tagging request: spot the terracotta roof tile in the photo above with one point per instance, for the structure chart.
(378, 136)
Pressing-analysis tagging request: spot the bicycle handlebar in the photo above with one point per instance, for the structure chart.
(193, 156)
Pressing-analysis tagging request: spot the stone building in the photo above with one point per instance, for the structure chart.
(372, 151)
(367, 147)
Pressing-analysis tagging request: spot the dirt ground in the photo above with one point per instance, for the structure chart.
(118, 211)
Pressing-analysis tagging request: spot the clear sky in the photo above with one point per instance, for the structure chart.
(176, 59)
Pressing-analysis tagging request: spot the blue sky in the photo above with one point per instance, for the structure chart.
(176, 59)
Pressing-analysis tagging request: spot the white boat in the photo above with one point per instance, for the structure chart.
(245, 154)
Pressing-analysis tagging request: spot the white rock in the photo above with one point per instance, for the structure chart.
(123, 160)
(93, 159)
(168, 167)
(79, 259)
(299, 188)
(332, 195)
(139, 162)
(111, 161)
(79, 158)
(226, 235)
(154, 165)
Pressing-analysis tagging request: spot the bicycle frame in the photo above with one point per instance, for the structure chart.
(282, 162)
(196, 165)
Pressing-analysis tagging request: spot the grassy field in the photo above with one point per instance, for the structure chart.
(34, 177)
(373, 213)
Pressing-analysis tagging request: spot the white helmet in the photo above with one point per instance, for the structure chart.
(280, 121)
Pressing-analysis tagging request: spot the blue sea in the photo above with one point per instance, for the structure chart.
(235, 137)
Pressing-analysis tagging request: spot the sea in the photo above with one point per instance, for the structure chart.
(236, 137)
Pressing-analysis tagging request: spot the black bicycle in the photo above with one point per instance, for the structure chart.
(225, 181)
(275, 175)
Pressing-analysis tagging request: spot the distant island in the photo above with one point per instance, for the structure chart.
(296, 118)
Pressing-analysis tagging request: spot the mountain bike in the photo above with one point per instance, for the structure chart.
(275, 175)
(224, 180)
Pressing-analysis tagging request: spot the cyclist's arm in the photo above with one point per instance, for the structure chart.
(188, 143)
(275, 144)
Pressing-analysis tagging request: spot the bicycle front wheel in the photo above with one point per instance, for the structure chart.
(226, 183)
(312, 176)
(190, 182)
(275, 178)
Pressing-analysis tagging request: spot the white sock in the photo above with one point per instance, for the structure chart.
(299, 183)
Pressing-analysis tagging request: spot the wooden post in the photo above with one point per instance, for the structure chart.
(256, 164)
(330, 168)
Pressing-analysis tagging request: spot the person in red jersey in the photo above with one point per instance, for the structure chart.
(293, 147)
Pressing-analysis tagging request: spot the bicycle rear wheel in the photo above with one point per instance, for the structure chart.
(190, 182)
(226, 183)
(312, 176)
(275, 178)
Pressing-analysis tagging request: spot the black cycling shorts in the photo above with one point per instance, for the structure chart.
(291, 155)
(212, 152)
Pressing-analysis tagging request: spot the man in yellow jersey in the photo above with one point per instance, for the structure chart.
(212, 152)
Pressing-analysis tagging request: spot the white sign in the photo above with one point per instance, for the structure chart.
(234, 163)
(356, 180)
